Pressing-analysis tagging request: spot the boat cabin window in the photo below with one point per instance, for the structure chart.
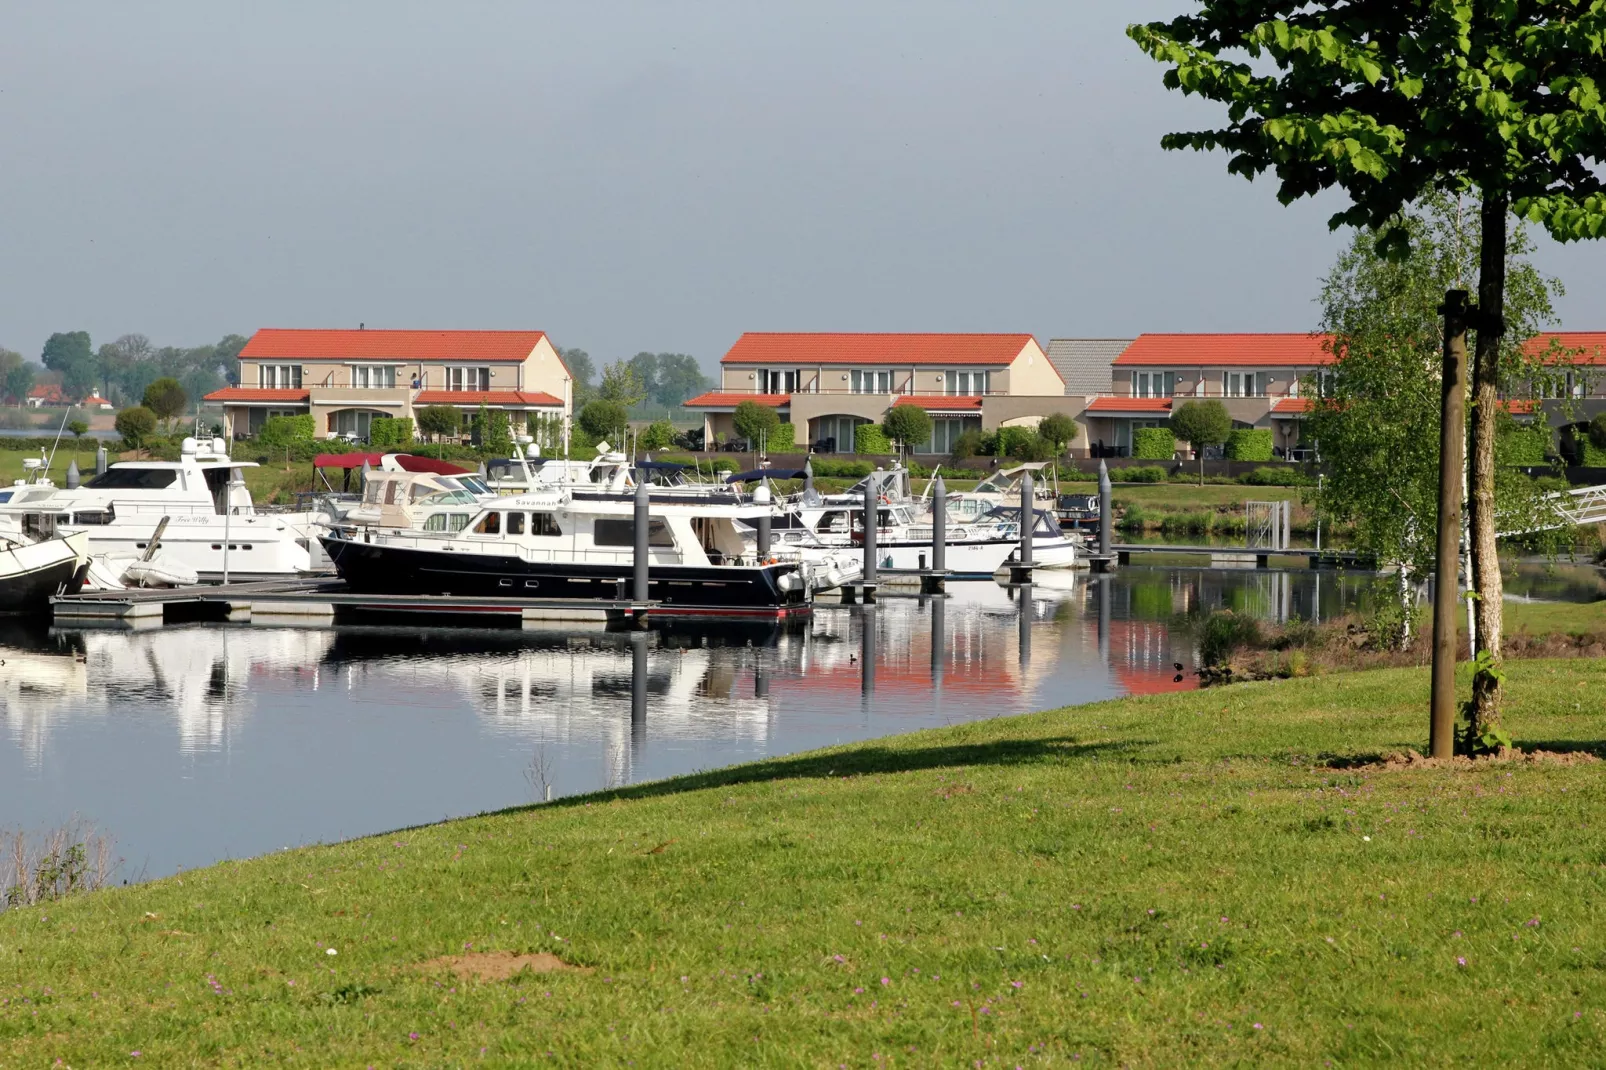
(490, 524)
(5, 496)
(135, 479)
(623, 533)
(390, 492)
(544, 524)
(452, 522)
(515, 523)
(97, 516)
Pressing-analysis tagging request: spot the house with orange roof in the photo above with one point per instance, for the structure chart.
(346, 378)
(828, 384)
(1258, 377)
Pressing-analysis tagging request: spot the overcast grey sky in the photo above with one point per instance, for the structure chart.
(627, 176)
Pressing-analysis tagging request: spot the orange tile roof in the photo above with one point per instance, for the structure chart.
(274, 343)
(1227, 350)
(252, 393)
(1294, 405)
(954, 403)
(1592, 344)
(717, 399)
(95, 399)
(1130, 405)
(763, 347)
(1520, 407)
(47, 392)
(489, 397)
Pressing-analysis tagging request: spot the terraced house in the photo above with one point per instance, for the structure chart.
(345, 378)
(1258, 377)
(829, 384)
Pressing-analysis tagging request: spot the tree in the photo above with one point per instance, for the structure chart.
(79, 429)
(660, 435)
(227, 350)
(10, 362)
(70, 355)
(167, 399)
(1059, 429)
(754, 422)
(19, 380)
(438, 421)
(909, 425)
(1388, 102)
(603, 418)
(1201, 424)
(136, 425)
(578, 361)
(1375, 412)
(622, 383)
(679, 378)
(116, 359)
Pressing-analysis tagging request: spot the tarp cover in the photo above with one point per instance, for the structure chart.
(767, 473)
(407, 462)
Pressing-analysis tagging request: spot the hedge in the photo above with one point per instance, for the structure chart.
(1249, 444)
(389, 432)
(1147, 473)
(781, 440)
(280, 431)
(1154, 443)
(1012, 441)
(1523, 445)
(1275, 477)
(1593, 456)
(869, 438)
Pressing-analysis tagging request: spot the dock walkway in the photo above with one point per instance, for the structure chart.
(1259, 557)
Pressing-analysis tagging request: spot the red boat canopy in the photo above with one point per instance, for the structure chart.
(408, 462)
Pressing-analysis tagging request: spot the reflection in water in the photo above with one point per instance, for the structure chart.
(194, 743)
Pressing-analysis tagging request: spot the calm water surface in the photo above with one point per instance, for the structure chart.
(197, 743)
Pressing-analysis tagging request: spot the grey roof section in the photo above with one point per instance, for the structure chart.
(1084, 363)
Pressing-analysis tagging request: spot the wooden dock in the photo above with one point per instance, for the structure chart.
(323, 601)
(1251, 556)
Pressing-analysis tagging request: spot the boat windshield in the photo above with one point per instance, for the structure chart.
(473, 484)
(118, 478)
(449, 497)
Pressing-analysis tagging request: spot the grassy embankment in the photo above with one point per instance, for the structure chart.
(1201, 877)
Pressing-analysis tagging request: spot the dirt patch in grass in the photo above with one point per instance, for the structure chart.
(1506, 756)
(499, 965)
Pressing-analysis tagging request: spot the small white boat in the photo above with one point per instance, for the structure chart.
(31, 573)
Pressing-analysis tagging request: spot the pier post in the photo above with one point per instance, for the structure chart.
(868, 579)
(1288, 523)
(939, 640)
(74, 479)
(638, 688)
(641, 587)
(939, 536)
(100, 460)
(1021, 572)
(1104, 619)
(1025, 592)
(1105, 559)
(761, 496)
(867, 639)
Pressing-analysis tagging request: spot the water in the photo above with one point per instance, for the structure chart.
(194, 744)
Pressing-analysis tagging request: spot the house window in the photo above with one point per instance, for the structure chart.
(870, 381)
(373, 376)
(777, 382)
(278, 376)
(1154, 384)
(965, 383)
(945, 432)
(1243, 384)
(468, 379)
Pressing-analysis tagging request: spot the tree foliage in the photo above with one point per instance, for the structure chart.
(908, 425)
(603, 418)
(69, 355)
(1059, 429)
(754, 421)
(166, 398)
(622, 383)
(438, 421)
(136, 425)
(18, 380)
(669, 378)
(659, 435)
(1201, 423)
(578, 361)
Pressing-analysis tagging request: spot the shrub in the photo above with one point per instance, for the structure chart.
(438, 421)
(1032, 447)
(1274, 477)
(660, 435)
(1008, 439)
(136, 425)
(781, 439)
(1146, 473)
(909, 425)
(869, 438)
(754, 421)
(1519, 444)
(1597, 431)
(1154, 444)
(1249, 444)
(602, 419)
(842, 469)
(1224, 633)
(1058, 429)
(1593, 456)
(280, 431)
(970, 444)
(389, 433)
(1133, 518)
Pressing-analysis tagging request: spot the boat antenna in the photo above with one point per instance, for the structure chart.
(52, 459)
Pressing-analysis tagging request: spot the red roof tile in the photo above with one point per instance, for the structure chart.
(955, 403)
(763, 347)
(716, 399)
(273, 343)
(1590, 345)
(489, 397)
(95, 399)
(47, 392)
(1294, 405)
(1149, 405)
(252, 393)
(1227, 350)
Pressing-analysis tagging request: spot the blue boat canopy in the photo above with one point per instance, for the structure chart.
(766, 473)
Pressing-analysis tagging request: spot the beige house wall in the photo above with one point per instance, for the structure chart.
(1030, 373)
(543, 371)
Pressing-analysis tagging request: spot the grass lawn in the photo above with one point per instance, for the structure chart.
(1153, 881)
(11, 461)
(1563, 618)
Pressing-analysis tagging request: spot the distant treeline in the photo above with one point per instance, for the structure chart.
(652, 380)
(119, 371)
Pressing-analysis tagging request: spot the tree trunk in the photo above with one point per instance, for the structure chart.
(1485, 708)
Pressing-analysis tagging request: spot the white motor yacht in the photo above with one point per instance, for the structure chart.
(212, 525)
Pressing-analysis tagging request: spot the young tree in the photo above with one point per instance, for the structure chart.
(1058, 429)
(70, 355)
(621, 382)
(18, 381)
(1387, 102)
(10, 361)
(604, 419)
(167, 399)
(438, 421)
(908, 425)
(79, 429)
(755, 422)
(136, 425)
(1375, 412)
(1201, 424)
(660, 435)
(679, 377)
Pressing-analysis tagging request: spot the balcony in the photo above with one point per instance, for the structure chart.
(394, 397)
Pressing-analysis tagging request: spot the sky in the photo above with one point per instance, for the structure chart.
(656, 175)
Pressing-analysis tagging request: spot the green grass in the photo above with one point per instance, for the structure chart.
(1184, 497)
(1155, 881)
(11, 462)
(1562, 618)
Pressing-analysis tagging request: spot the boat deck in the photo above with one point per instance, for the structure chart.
(320, 600)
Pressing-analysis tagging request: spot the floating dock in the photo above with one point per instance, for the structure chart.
(323, 600)
(1249, 556)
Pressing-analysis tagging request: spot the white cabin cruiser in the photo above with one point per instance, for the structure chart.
(212, 524)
